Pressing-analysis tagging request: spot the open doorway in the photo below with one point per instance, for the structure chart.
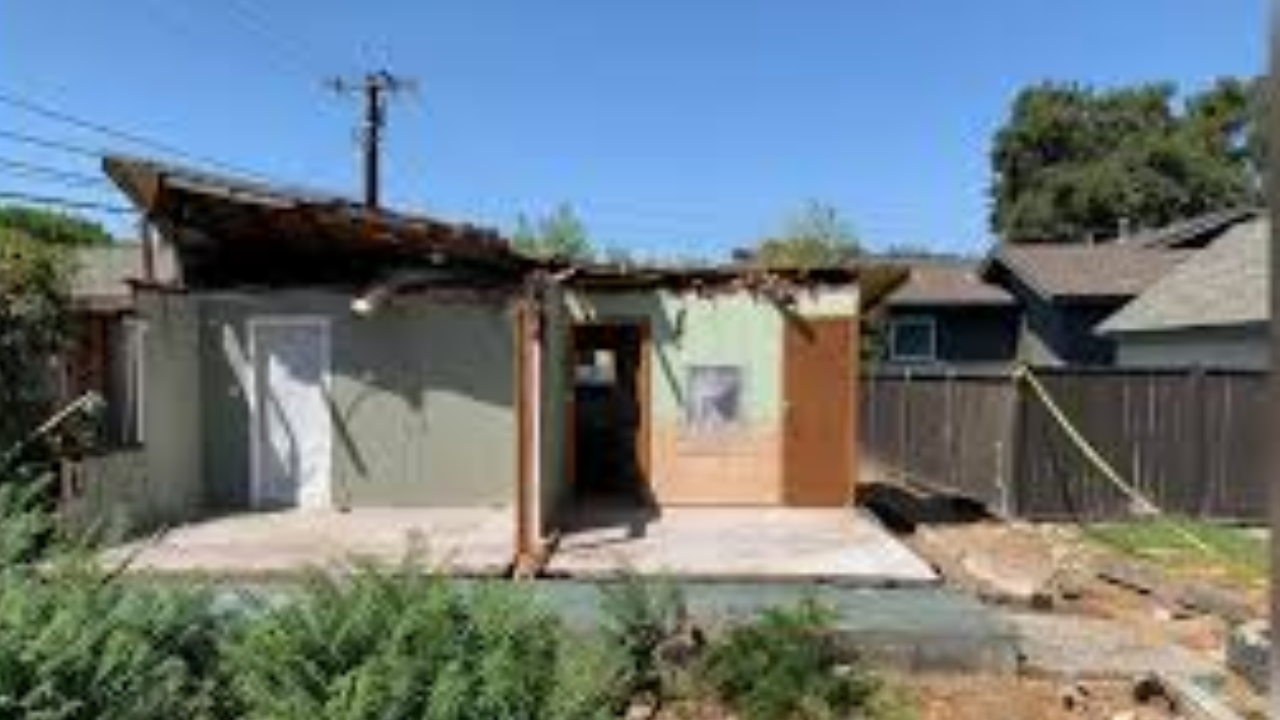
(610, 419)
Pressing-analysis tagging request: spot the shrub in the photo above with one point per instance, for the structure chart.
(404, 644)
(786, 666)
(640, 616)
(74, 647)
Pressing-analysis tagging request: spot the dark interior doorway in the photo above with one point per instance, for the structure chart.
(610, 418)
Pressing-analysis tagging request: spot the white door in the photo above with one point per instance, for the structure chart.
(291, 426)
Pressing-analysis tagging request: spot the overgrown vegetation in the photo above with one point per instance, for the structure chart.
(78, 642)
(52, 227)
(788, 666)
(34, 279)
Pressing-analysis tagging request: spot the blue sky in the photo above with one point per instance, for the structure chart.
(673, 126)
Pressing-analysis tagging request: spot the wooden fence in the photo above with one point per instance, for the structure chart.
(1193, 441)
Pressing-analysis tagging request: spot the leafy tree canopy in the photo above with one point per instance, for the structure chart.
(34, 276)
(53, 227)
(1074, 163)
(559, 234)
(816, 236)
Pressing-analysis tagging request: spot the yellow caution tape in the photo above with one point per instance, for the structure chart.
(1141, 503)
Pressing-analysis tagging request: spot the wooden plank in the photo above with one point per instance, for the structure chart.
(818, 450)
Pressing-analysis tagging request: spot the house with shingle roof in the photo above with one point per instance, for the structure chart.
(945, 313)
(1211, 311)
(1192, 292)
(1065, 291)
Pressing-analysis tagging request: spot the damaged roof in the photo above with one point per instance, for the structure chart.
(234, 231)
(875, 280)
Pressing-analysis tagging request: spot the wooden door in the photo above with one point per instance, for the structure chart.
(819, 452)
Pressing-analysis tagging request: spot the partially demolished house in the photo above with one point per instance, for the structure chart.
(315, 353)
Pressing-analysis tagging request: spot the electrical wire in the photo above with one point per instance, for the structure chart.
(302, 56)
(133, 138)
(65, 202)
(47, 144)
(39, 171)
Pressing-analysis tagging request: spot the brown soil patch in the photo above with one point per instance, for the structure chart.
(1018, 698)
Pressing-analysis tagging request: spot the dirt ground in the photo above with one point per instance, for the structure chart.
(968, 697)
(1053, 568)
(978, 698)
(1019, 561)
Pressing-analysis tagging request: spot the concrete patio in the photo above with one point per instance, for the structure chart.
(753, 544)
(838, 546)
(460, 541)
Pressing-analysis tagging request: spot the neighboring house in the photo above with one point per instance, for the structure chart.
(1211, 311)
(946, 314)
(321, 354)
(1065, 291)
(104, 354)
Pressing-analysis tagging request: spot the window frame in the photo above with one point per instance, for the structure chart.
(136, 330)
(740, 418)
(929, 323)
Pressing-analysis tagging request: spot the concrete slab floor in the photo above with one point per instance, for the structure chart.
(461, 541)
(757, 543)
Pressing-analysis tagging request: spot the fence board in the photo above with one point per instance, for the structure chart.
(1193, 441)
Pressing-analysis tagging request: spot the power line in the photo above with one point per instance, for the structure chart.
(125, 136)
(65, 202)
(300, 55)
(47, 144)
(47, 172)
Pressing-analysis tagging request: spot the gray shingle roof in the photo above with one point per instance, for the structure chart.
(1224, 284)
(1084, 272)
(947, 282)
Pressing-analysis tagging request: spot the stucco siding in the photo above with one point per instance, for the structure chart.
(173, 425)
(741, 464)
(1238, 348)
(421, 397)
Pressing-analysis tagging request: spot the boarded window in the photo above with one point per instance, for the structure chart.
(715, 396)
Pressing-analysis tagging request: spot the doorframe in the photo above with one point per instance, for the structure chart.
(255, 322)
(644, 439)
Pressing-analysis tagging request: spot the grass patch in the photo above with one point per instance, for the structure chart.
(1191, 547)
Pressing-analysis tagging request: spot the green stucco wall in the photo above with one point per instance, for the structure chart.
(685, 329)
(173, 424)
(719, 329)
(421, 397)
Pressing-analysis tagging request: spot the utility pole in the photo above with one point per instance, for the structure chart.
(377, 87)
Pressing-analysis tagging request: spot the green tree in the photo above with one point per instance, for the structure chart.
(816, 236)
(559, 234)
(1073, 163)
(34, 278)
(54, 227)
